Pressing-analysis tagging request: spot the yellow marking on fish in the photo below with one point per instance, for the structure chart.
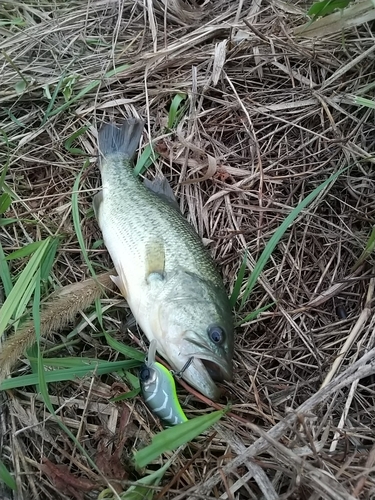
(155, 257)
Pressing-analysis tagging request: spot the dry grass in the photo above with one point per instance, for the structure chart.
(277, 121)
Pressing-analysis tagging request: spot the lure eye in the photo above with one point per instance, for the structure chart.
(144, 374)
(216, 334)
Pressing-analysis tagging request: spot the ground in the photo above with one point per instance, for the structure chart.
(266, 115)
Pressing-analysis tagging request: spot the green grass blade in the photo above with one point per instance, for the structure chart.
(5, 273)
(5, 221)
(69, 373)
(69, 142)
(149, 156)
(174, 112)
(6, 164)
(49, 259)
(127, 395)
(361, 101)
(146, 159)
(6, 477)
(239, 280)
(82, 363)
(133, 380)
(279, 233)
(254, 314)
(42, 376)
(26, 277)
(91, 86)
(369, 248)
(127, 351)
(53, 98)
(77, 221)
(325, 7)
(141, 490)
(25, 251)
(170, 439)
(5, 202)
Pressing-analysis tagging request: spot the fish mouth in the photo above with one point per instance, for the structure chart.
(205, 372)
(217, 372)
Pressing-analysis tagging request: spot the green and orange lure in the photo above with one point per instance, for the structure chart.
(159, 390)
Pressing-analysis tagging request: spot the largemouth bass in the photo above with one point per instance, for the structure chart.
(166, 275)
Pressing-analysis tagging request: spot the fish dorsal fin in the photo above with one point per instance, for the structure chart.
(155, 259)
(96, 202)
(161, 187)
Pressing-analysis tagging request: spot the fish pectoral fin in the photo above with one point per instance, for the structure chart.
(155, 259)
(96, 203)
(161, 187)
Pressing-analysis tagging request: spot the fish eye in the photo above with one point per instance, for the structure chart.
(144, 374)
(216, 334)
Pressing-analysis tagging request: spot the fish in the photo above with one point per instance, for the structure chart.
(164, 272)
(159, 390)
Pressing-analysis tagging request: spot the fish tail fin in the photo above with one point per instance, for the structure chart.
(120, 139)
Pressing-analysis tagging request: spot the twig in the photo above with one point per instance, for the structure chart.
(353, 335)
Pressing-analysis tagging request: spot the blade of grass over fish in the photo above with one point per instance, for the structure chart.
(146, 159)
(69, 373)
(26, 277)
(77, 221)
(172, 438)
(68, 143)
(6, 477)
(174, 111)
(239, 280)
(279, 233)
(5, 273)
(91, 86)
(127, 351)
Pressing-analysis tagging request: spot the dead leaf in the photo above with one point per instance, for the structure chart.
(65, 482)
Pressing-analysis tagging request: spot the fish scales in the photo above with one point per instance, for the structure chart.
(137, 215)
(168, 278)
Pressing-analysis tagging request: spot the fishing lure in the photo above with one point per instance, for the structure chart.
(159, 389)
